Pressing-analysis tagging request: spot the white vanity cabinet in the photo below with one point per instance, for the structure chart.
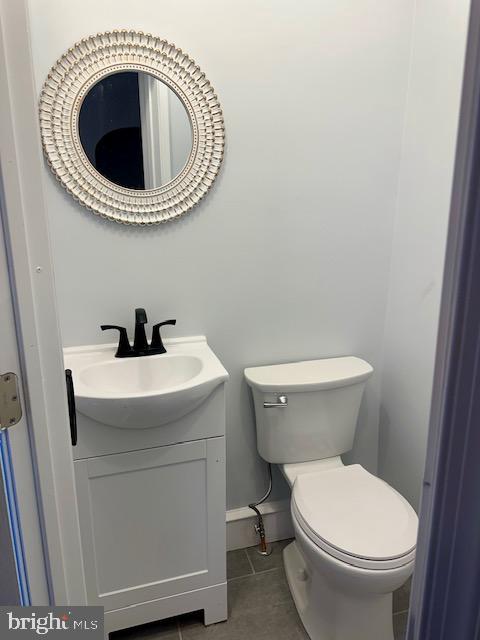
(152, 522)
(151, 505)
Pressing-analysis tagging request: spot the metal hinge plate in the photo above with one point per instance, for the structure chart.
(10, 407)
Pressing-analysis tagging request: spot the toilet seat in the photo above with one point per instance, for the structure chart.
(355, 517)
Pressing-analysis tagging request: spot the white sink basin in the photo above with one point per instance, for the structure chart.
(144, 392)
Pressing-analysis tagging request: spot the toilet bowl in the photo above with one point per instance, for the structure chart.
(355, 536)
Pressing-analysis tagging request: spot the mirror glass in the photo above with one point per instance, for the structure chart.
(135, 130)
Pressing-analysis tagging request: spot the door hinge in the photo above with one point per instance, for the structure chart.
(10, 407)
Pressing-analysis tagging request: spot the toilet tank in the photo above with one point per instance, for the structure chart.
(318, 407)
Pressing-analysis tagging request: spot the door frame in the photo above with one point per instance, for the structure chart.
(22, 540)
(34, 301)
(446, 584)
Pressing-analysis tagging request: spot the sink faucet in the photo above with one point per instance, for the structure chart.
(140, 343)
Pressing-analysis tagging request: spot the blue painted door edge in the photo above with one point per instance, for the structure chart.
(6, 469)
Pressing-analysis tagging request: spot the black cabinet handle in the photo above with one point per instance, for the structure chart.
(72, 414)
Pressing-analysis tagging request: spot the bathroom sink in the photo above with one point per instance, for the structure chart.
(140, 375)
(144, 392)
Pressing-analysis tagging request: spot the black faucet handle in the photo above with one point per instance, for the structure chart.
(140, 316)
(156, 342)
(124, 348)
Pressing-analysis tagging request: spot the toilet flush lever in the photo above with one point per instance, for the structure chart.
(282, 401)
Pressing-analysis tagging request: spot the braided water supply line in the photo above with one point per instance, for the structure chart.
(264, 549)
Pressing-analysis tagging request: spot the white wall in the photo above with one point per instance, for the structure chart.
(419, 237)
(288, 256)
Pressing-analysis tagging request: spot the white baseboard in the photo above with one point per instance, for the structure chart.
(241, 524)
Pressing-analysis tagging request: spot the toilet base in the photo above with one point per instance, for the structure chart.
(328, 613)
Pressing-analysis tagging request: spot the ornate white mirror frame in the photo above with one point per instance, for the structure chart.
(68, 83)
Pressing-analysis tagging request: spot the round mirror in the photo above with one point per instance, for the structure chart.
(131, 127)
(135, 130)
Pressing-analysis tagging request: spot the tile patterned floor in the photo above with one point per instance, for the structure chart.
(251, 614)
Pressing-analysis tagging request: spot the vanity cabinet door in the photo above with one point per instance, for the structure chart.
(152, 522)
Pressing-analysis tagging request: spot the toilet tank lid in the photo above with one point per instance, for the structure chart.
(309, 375)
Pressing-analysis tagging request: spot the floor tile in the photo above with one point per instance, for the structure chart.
(260, 605)
(161, 630)
(400, 625)
(238, 564)
(274, 622)
(401, 597)
(258, 591)
(265, 563)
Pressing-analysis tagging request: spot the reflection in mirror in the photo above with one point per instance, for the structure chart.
(135, 130)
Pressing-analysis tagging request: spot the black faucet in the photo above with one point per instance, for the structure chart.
(140, 343)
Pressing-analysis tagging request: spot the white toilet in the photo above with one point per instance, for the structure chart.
(355, 535)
